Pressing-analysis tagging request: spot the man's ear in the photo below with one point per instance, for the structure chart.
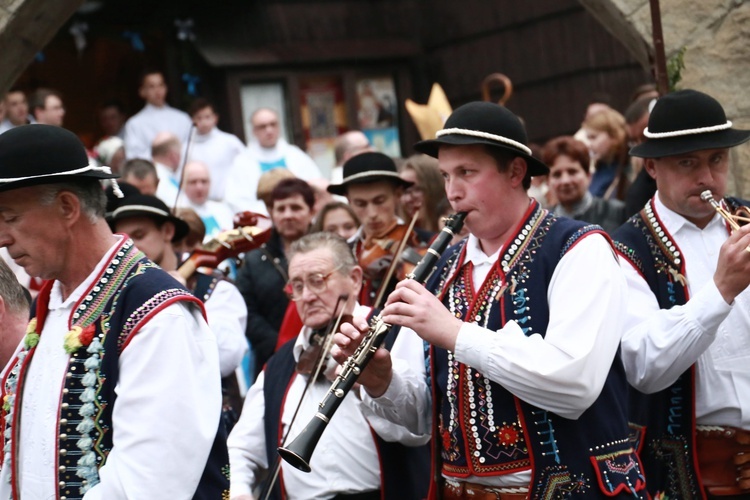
(3, 310)
(69, 206)
(518, 168)
(168, 230)
(650, 165)
(356, 276)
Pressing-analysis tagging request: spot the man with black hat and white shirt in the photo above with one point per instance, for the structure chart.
(686, 343)
(373, 187)
(115, 390)
(523, 320)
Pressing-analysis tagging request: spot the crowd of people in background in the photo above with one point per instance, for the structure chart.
(542, 218)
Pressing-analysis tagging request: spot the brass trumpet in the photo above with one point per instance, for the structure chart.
(732, 219)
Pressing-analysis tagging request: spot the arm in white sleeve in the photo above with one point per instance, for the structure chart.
(408, 401)
(247, 442)
(565, 370)
(658, 345)
(227, 316)
(167, 411)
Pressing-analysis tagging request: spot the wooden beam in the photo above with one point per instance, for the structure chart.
(26, 26)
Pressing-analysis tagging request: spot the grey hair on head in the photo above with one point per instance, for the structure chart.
(14, 295)
(88, 191)
(342, 253)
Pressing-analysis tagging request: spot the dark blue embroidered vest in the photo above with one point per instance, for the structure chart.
(404, 469)
(482, 429)
(130, 289)
(664, 422)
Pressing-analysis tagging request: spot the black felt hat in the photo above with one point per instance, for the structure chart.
(44, 154)
(687, 121)
(484, 123)
(365, 168)
(143, 205)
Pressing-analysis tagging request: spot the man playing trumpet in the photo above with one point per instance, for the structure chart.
(324, 278)
(686, 343)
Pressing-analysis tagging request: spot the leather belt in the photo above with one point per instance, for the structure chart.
(724, 459)
(457, 490)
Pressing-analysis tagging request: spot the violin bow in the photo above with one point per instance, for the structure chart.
(396, 260)
(191, 134)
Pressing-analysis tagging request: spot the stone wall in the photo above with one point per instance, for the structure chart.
(715, 34)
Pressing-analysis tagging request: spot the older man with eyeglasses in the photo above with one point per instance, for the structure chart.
(324, 280)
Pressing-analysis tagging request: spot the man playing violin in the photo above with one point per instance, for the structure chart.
(686, 345)
(114, 392)
(373, 187)
(149, 223)
(324, 280)
(523, 317)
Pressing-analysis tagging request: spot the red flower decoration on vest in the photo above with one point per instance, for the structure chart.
(78, 337)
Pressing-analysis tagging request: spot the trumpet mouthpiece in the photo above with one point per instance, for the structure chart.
(706, 195)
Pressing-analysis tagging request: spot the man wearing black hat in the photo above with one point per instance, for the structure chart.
(148, 221)
(686, 344)
(115, 391)
(523, 320)
(373, 187)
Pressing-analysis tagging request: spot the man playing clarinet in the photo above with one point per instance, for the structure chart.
(528, 394)
(687, 339)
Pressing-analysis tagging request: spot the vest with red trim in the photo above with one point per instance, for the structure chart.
(484, 430)
(127, 293)
(404, 469)
(664, 422)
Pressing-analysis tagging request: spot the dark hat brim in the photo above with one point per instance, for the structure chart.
(55, 179)
(341, 189)
(181, 227)
(682, 144)
(431, 147)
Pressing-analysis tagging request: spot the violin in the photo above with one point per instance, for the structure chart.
(381, 260)
(377, 253)
(317, 350)
(250, 232)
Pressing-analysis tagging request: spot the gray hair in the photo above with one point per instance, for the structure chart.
(88, 191)
(339, 248)
(13, 293)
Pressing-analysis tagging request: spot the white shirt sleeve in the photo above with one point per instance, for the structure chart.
(167, 411)
(247, 442)
(227, 316)
(564, 371)
(407, 402)
(658, 345)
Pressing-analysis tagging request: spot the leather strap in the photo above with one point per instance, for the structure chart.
(724, 460)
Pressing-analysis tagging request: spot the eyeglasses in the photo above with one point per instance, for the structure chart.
(316, 283)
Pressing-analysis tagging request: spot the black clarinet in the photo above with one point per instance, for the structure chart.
(299, 451)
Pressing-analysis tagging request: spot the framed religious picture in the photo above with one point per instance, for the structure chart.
(323, 113)
(377, 113)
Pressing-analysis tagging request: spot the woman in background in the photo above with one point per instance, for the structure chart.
(608, 148)
(337, 217)
(569, 178)
(425, 193)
